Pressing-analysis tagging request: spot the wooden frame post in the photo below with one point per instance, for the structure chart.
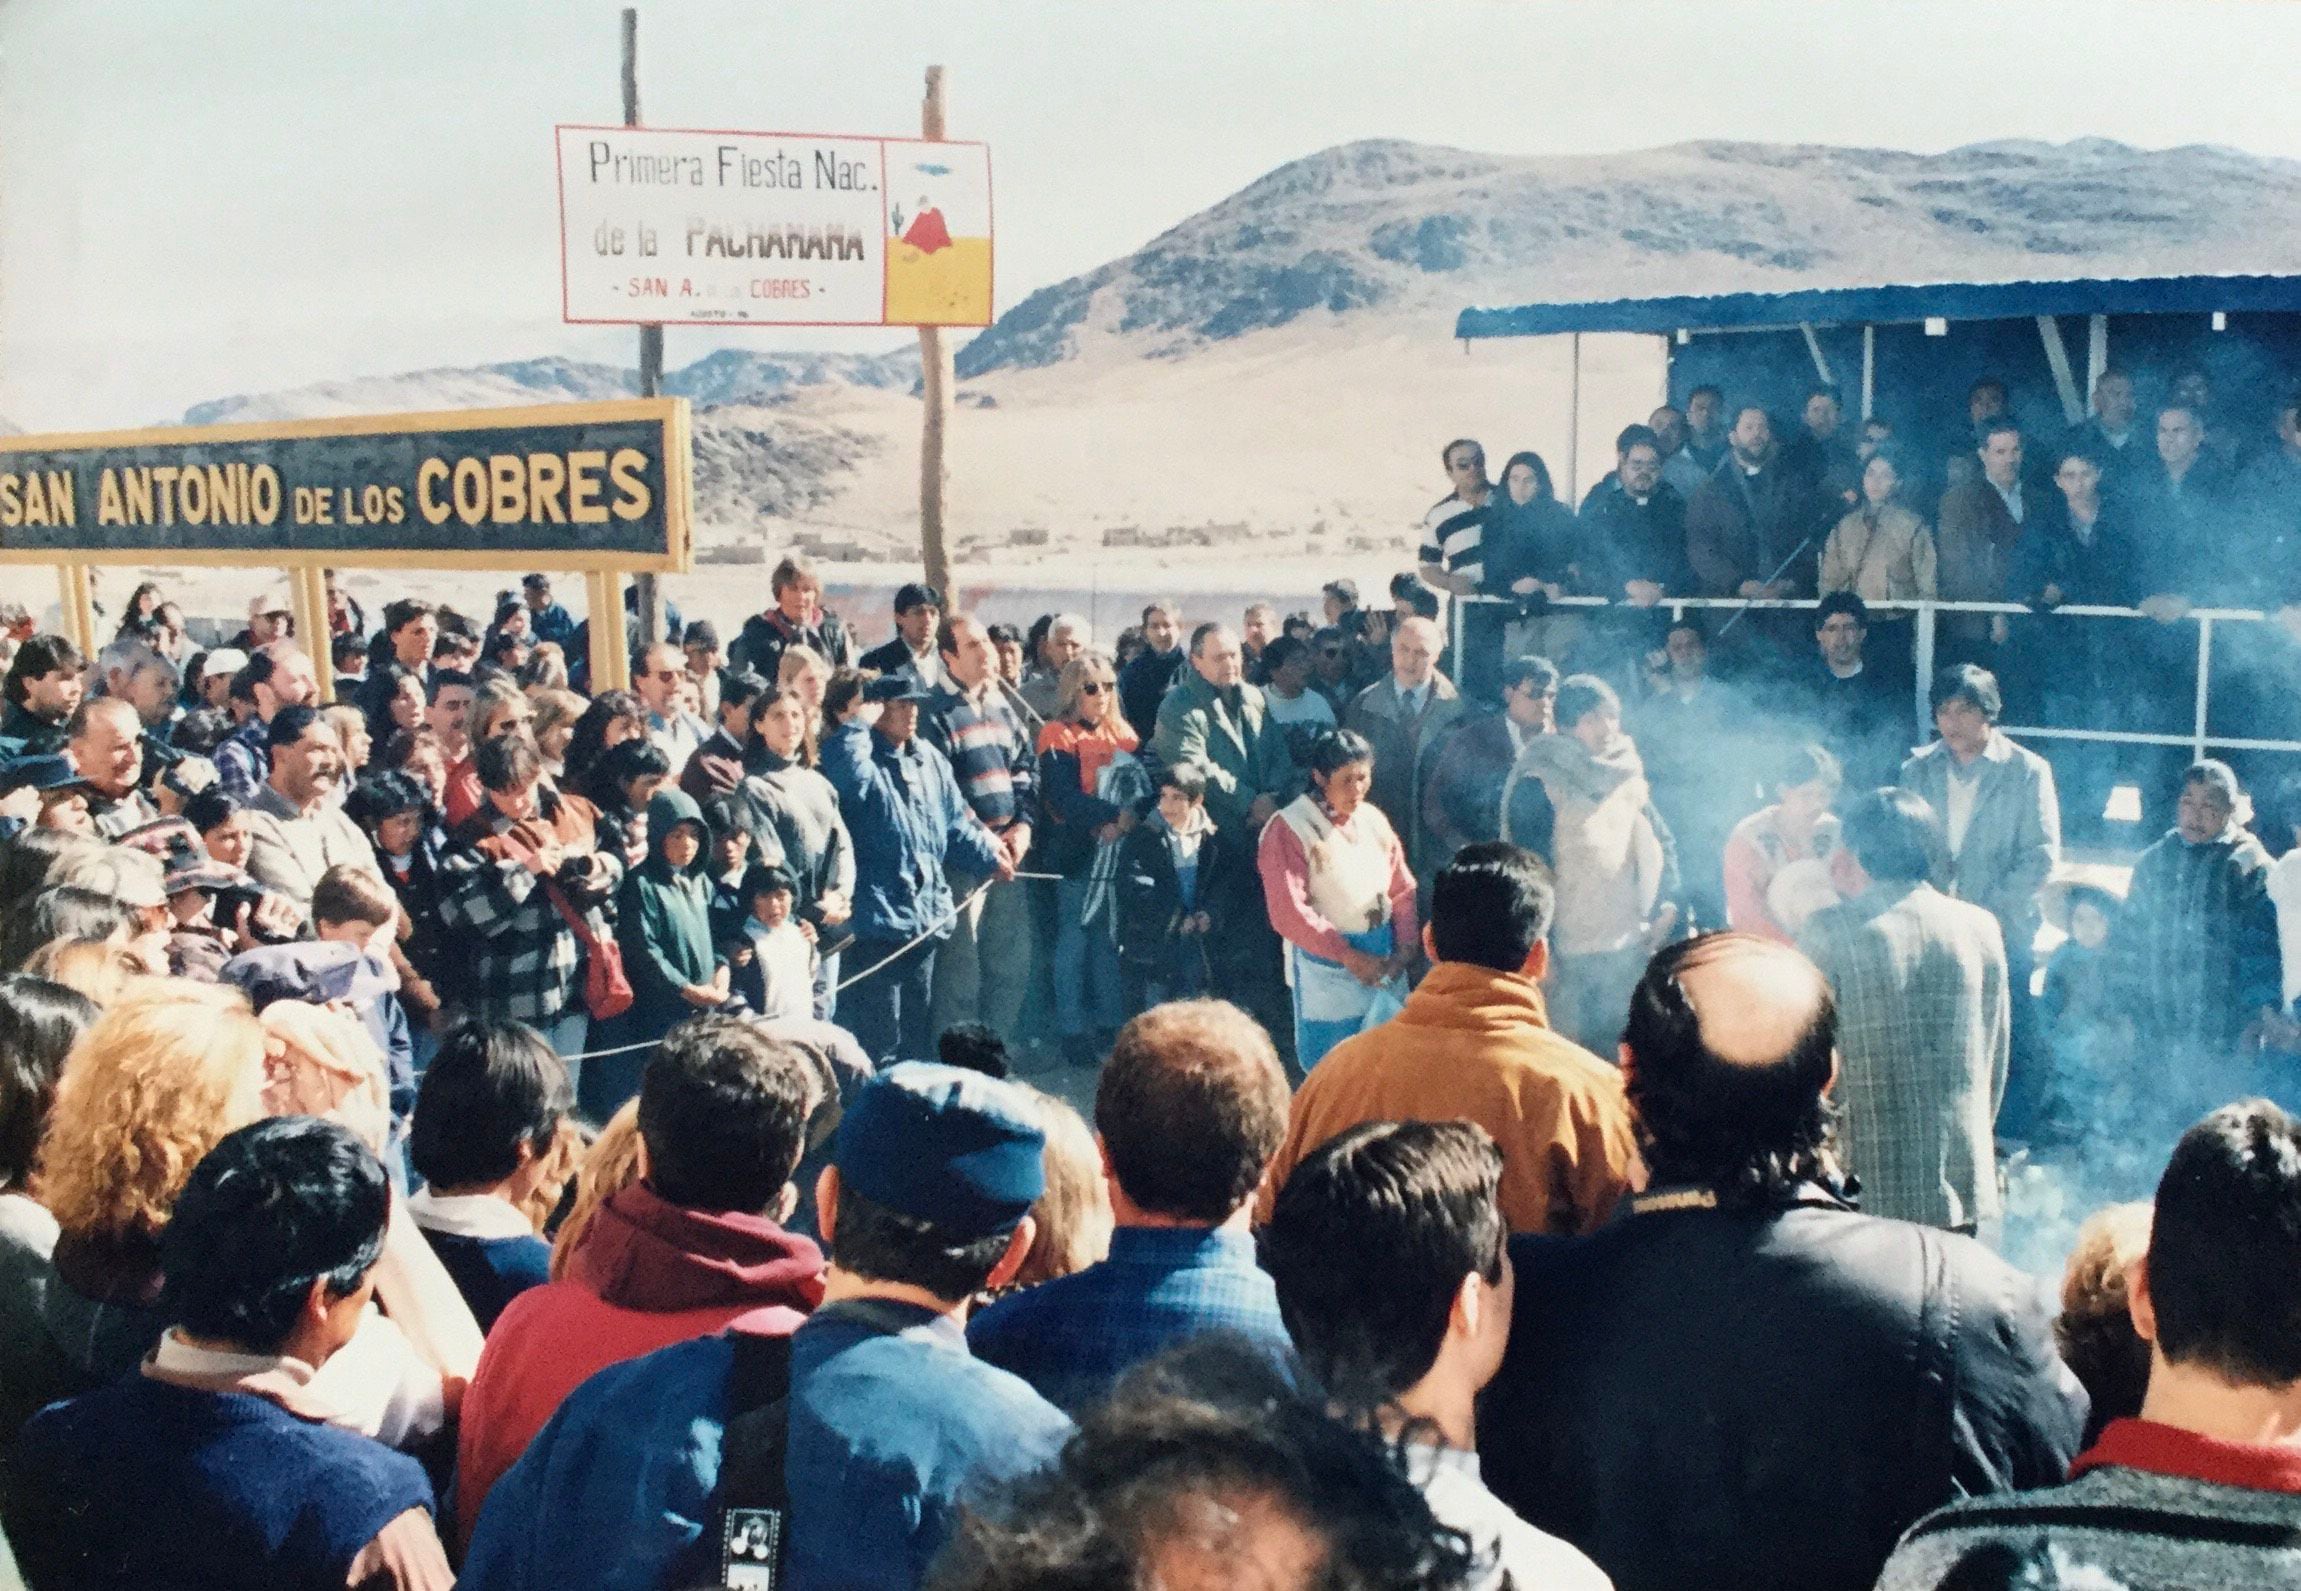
(77, 606)
(308, 596)
(936, 379)
(610, 651)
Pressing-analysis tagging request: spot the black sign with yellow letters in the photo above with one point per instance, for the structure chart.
(591, 486)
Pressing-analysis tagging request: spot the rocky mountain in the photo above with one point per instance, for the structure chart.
(725, 375)
(1411, 229)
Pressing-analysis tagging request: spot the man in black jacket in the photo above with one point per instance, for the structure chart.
(1743, 1381)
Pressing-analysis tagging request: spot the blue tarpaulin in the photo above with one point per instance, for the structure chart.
(1893, 304)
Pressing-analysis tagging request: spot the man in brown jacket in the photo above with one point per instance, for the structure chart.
(1474, 1044)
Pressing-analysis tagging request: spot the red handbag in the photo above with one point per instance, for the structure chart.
(607, 992)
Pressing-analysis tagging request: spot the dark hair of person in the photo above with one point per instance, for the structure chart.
(589, 737)
(2225, 1247)
(2217, 776)
(62, 911)
(1895, 835)
(508, 761)
(1191, 1107)
(37, 658)
(39, 1023)
(1200, 1430)
(1971, 684)
(257, 670)
(1636, 436)
(884, 1245)
(272, 1209)
(401, 745)
(1844, 602)
(1999, 426)
(626, 760)
(1281, 650)
(723, 1111)
(1580, 695)
(211, 807)
(289, 725)
(1529, 670)
(1036, 636)
(1804, 764)
(841, 692)
(1715, 392)
(740, 688)
(1749, 1131)
(386, 794)
(492, 1087)
(947, 630)
(761, 878)
(1985, 384)
(1336, 750)
(348, 651)
(1446, 453)
(348, 894)
(1407, 587)
(792, 570)
(1491, 906)
(1689, 621)
(1369, 1242)
(974, 1046)
(1183, 777)
(1741, 409)
(449, 679)
(1200, 631)
(1005, 635)
(1890, 454)
(1346, 591)
(399, 614)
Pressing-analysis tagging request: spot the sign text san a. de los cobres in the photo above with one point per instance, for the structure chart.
(772, 229)
(563, 486)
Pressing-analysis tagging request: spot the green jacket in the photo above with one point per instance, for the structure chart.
(1242, 750)
(665, 922)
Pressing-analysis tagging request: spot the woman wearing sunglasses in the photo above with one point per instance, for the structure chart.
(1093, 784)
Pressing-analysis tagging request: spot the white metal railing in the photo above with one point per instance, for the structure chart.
(2199, 741)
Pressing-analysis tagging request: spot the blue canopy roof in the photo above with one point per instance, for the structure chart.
(1901, 302)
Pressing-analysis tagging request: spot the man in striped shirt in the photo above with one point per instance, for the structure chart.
(1454, 531)
(984, 968)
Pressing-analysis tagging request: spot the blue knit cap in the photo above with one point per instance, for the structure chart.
(942, 1144)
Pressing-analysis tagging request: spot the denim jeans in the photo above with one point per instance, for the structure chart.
(1087, 998)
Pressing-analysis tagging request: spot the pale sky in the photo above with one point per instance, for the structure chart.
(204, 197)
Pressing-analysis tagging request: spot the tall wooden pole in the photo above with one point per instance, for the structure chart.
(936, 378)
(650, 342)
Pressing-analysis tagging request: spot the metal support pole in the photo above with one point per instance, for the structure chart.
(1924, 704)
(650, 342)
(2096, 349)
(1869, 371)
(2204, 687)
(1821, 360)
(1574, 424)
(2057, 360)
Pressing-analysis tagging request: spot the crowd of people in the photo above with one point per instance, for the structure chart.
(1549, 1093)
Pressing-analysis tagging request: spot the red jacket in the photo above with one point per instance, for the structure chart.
(647, 1274)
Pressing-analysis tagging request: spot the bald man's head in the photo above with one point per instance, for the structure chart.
(1728, 1055)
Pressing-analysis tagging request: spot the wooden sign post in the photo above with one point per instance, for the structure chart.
(603, 488)
(936, 378)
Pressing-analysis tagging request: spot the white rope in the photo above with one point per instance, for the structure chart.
(845, 984)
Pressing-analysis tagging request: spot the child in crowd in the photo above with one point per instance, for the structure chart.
(664, 927)
(730, 861)
(1170, 877)
(2080, 1006)
(773, 956)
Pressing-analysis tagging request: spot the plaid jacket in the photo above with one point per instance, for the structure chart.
(517, 957)
(244, 760)
(1924, 1030)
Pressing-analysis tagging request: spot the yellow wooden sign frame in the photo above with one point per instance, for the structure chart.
(609, 654)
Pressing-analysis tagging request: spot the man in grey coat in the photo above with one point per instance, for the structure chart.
(2002, 819)
(1923, 1021)
(1405, 718)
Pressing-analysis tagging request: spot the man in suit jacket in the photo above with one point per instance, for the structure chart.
(1924, 1019)
(2002, 818)
(1749, 519)
(1404, 717)
(1979, 523)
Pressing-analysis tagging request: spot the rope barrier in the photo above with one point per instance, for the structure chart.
(916, 940)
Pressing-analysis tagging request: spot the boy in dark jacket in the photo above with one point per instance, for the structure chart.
(663, 923)
(1171, 885)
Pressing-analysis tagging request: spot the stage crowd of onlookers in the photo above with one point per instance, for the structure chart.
(1551, 1064)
